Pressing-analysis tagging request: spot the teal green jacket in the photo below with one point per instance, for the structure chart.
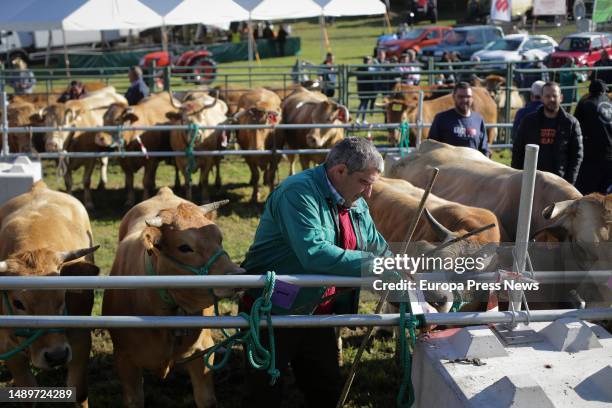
(299, 234)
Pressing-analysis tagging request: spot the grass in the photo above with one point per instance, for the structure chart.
(378, 379)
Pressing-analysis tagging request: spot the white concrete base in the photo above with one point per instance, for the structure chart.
(476, 342)
(530, 374)
(571, 335)
(17, 177)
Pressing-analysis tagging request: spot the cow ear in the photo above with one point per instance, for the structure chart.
(151, 236)
(174, 116)
(555, 233)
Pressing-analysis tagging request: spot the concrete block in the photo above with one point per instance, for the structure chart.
(570, 335)
(598, 386)
(17, 177)
(477, 342)
(517, 391)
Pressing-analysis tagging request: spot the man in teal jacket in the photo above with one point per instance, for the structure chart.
(315, 222)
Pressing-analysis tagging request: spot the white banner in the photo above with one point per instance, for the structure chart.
(501, 10)
(549, 8)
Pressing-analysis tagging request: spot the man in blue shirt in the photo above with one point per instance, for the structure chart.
(138, 90)
(461, 126)
(534, 103)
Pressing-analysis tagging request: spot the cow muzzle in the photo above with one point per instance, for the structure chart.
(52, 357)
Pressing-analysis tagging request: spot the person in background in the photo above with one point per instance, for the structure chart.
(461, 126)
(594, 113)
(557, 133)
(138, 90)
(570, 79)
(604, 62)
(525, 79)
(328, 76)
(268, 31)
(535, 101)
(365, 89)
(22, 80)
(76, 90)
(281, 39)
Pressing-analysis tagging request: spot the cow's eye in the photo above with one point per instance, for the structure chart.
(18, 305)
(185, 248)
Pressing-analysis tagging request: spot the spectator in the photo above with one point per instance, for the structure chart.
(294, 237)
(526, 79)
(366, 89)
(385, 79)
(604, 62)
(268, 31)
(328, 76)
(235, 36)
(595, 116)
(461, 126)
(411, 78)
(22, 80)
(449, 76)
(75, 91)
(556, 132)
(570, 80)
(281, 39)
(138, 89)
(535, 101)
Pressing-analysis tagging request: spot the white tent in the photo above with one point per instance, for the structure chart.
(340, 8)
(77, 15)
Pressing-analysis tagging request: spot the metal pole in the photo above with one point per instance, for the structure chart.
(5, 142)
(419, 120)
(374, 320)
(66, 60)
(509, 77)
(524, 217)
(430, 68)
(322, 27)
(250, 45)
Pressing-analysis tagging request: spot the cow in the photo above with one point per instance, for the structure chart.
(150, 111)
(411, 92)
(229, 94)
(24, 114)
(47, 233)
(307, 107)
(165, 235)
(202, 111)
(284, 91)
(468, 177)
(400, 109)
(260, 107)
(496, 86)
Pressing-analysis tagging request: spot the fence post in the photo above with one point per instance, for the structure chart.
(167, 76)
(5, 145)
(430, 68)
(509, 78)
(151, 76)
(419, 120)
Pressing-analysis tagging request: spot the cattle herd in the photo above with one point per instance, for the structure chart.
(48, 233)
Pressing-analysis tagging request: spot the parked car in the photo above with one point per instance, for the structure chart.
(415, 40)
(464, 41)
(513, 48)
(586, 47)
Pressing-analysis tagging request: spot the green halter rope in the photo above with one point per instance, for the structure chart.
(411, 322)
(404, 142)
(194, 130)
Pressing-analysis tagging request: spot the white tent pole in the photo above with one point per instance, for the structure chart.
(48, 53)
(164, 35)
(322, 24)
(66, 60)
(250, 39)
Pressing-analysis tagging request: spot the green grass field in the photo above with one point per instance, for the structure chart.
(378, 379)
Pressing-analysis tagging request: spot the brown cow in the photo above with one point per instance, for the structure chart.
(496, 85)
(150, 111)
(306, 107)
(24, 114)
(47, 233)
(288, 89)
(230, 94)
(398, 110)
(468, 177)
(203, 111)
(165, 232)
(260, 107)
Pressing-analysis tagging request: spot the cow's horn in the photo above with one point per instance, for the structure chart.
(154, 222)
(68, 256)
(3, 266)
(213, 206)
(238, 115)
(381, 105)
(553, 210)
(206, 106)
(347, 114)
(172, 101)
(443, 233)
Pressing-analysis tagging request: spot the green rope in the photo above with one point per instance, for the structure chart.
(405, 355)
(194, 129)
(259, 357)
(458, 303)
(404, 142)
(23, 346)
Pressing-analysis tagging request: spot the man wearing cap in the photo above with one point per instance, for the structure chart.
(557, 133)
(535, 101)
(594, 112)
(138, 90)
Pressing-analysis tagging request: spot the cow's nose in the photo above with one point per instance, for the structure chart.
(52, 146)
(57, 356)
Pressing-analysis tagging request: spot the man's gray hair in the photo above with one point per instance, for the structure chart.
(357, 153)
(136, 70)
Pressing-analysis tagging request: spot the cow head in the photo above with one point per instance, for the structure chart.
(117, 114)
(59, 115)
(196, 112)
(585, 225)
(397, 110)
(51, 349)
(256, 116)
(327, 112)
(187, 235)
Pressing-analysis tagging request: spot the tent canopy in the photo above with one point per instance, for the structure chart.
(339, 8)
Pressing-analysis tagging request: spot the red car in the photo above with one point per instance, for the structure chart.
(415, 40)
(204, 71)
(586, 47)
